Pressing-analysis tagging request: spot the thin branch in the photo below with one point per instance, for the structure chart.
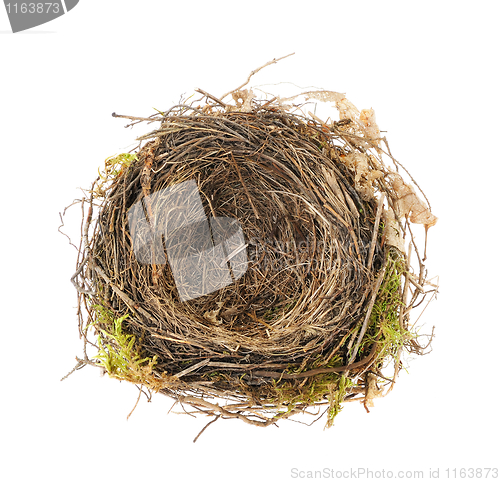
(79, 365)
(136, 403)
(368, 312)
(318, 371)
(226, 413)
(210, 96)
(206, 426)
(130, 117)
(79, 288)
(62, 225)
(192, 368)
(244, 186)
(253, 72)
(375, 229)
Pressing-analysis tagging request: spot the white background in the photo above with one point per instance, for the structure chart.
(429, 69)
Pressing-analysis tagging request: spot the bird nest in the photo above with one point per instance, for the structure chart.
(252, 261)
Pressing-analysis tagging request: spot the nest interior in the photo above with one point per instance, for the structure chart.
(310, 299)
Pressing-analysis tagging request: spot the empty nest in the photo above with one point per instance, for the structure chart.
(251, 261)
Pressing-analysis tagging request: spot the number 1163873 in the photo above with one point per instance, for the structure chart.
(23, 7)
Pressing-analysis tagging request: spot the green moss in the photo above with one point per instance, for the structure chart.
(336, 399)
(118, 354)
(114, 165)
(385, 317)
